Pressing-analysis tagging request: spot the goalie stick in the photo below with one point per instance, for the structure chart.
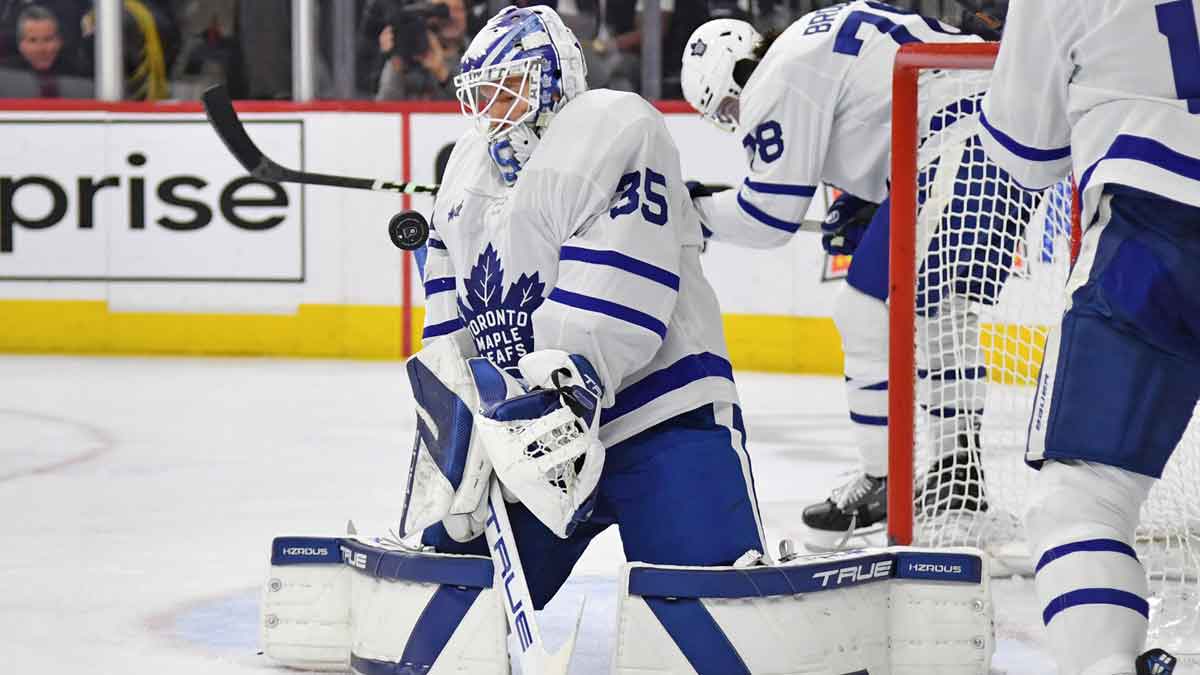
(514, 592)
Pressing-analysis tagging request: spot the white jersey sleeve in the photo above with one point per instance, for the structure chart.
(785, 124)
(621, 214)
(1025, 124)
(1111, 90)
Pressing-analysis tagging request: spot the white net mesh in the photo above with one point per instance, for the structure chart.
(990, 283)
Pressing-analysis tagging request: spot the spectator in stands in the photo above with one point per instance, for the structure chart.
(41, 68)
(422, 55)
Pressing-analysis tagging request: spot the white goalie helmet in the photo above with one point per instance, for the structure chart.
(520, 69)
(709, 60)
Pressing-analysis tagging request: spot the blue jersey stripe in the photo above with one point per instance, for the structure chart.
(1023, 151)
(443, 328)
(781, 188)
(609, 308)
(436, 243)
(764, 218)
(1150, 151)
(621, 262)
(1096, 596)
(439, 285)
(1088, 546)
(675, 376)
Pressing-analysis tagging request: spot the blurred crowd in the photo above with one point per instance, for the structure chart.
(402, 49)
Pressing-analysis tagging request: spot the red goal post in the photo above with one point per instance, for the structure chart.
(911, 60)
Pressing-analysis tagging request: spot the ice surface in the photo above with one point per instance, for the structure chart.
(139, 496)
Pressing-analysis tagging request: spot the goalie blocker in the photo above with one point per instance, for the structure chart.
(333, 603)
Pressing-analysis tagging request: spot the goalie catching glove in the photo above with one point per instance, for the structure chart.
(544, 443)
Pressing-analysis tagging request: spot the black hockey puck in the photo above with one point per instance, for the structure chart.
(408, 230)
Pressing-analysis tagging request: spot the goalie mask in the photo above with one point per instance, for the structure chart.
(518, 71)
(717, 61)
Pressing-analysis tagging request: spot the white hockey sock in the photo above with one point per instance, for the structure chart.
(863, 323)
(1091, 586)
(952, 364)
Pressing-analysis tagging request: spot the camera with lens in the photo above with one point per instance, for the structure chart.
(411, 24)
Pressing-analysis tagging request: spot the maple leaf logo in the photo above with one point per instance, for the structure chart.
(500, 321)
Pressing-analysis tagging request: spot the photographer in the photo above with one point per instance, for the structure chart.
(418, 46)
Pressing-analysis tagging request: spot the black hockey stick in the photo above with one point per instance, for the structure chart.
(224, 120)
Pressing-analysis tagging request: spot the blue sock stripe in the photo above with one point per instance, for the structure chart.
(874, 386)
(698, 636)
(953, 374)
(948, 412)
(1087, 546)
(1096, 596)
(869, 420)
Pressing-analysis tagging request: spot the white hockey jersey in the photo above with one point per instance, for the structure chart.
(818, 108)
(595, 250)
(1111, 89)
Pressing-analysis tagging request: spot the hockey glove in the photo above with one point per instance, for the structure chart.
(544, 444)
(846, 223)
(696, 190)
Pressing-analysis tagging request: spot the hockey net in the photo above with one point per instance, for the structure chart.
(970, 315)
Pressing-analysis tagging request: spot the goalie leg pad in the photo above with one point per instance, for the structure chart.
(449, 470)
(900, 610)
(332, 603)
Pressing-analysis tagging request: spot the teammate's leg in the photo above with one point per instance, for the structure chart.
(859, 506)
(1116, 392)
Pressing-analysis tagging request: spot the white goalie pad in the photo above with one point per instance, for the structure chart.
(449, 470)
(898, 611)
(338, 603)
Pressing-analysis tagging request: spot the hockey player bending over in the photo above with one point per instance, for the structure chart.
(565, 250)
(1111, 91)
(814, 105)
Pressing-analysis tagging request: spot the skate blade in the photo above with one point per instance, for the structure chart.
(824, 541)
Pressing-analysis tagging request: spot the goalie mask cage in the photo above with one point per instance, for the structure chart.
(969, 314)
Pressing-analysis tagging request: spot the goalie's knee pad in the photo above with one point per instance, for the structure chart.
(899, 610)
(333, 603)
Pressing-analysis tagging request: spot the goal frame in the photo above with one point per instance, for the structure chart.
(911, 59)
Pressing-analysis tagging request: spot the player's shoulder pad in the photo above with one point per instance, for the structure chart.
(604, 112)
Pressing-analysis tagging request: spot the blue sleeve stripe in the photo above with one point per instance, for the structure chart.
(440, 329)
(621, 262)
(1088, 546)
(1150, 151)
(869, 420)
(764, 218)
(1096, 596)
(661, 382)
(612, 309)
(439, 285)
(781, 188)
(436, 243)
(1023, 151)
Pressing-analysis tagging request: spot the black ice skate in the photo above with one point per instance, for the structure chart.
(849, 516)
(954, 483)
(1156, 662)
